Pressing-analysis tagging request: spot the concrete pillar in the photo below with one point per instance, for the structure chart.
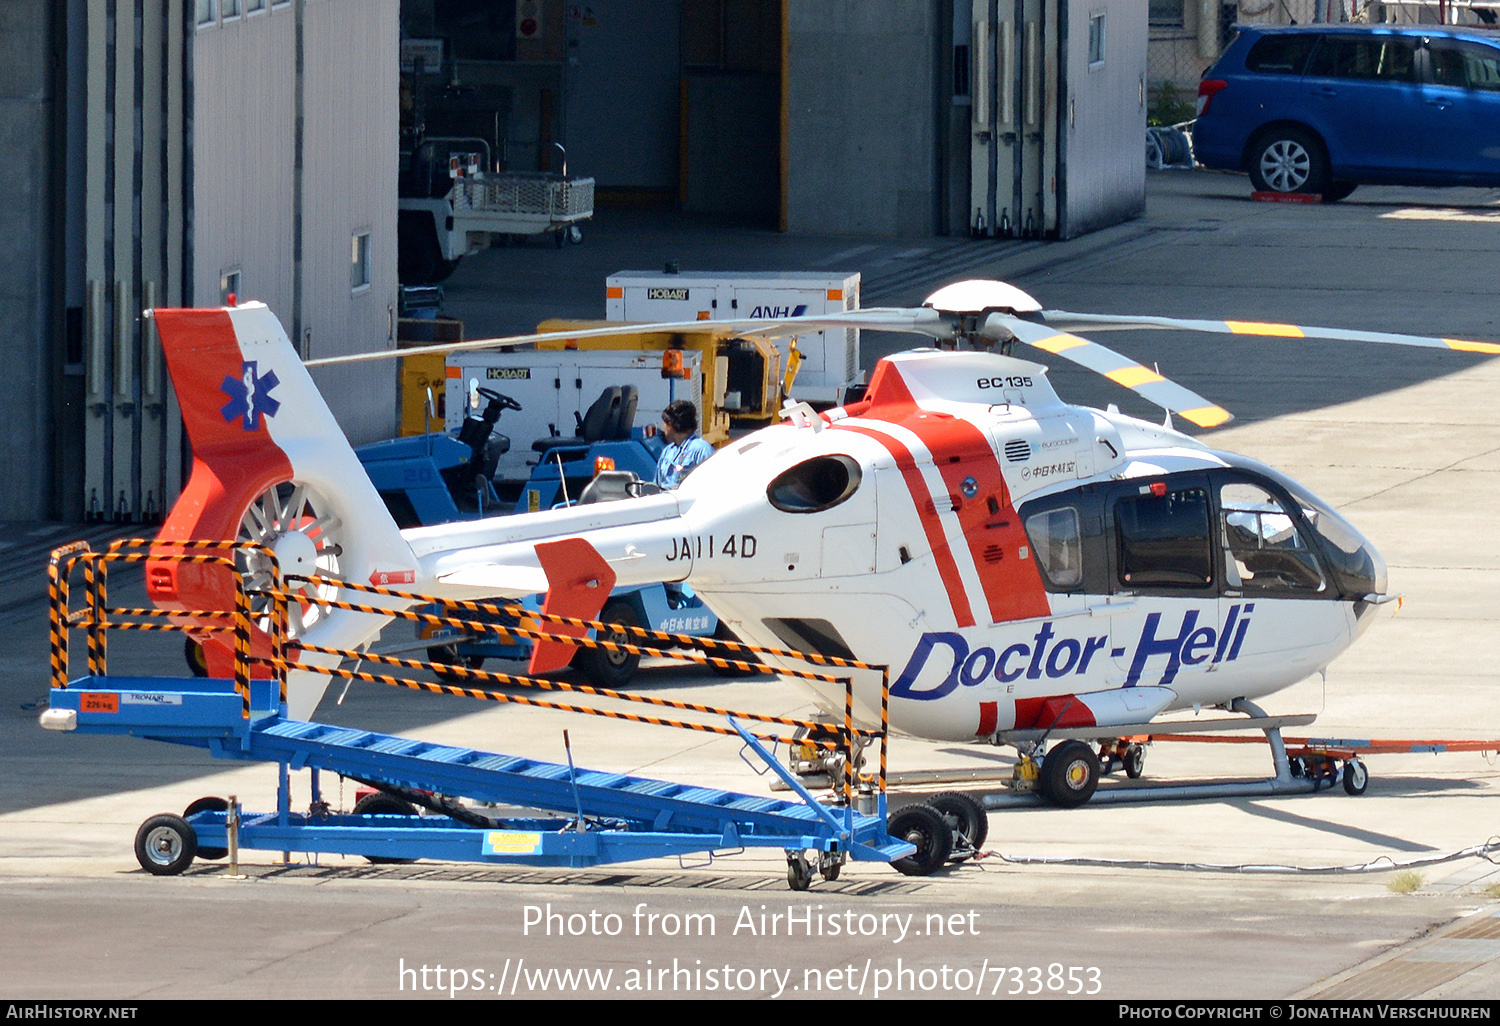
(1208, 29)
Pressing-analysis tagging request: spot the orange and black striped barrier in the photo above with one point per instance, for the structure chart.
(274, 623)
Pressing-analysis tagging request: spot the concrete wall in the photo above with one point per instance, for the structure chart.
(1104, 118)
(245, 103)
(349, 185)
(861, 138)
(26, 272)
(244, 93)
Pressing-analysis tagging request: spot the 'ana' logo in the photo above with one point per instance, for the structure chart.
(249, 396)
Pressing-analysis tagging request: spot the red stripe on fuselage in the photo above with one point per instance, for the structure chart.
(937, 540)
(1013, 588)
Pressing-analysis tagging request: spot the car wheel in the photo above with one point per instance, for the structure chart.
(1338, 190)
(1288, 160)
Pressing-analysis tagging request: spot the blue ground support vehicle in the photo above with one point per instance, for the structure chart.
(438, 478)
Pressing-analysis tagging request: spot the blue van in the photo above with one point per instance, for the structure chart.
(1324, 108)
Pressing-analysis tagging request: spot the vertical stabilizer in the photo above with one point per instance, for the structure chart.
(270, 465)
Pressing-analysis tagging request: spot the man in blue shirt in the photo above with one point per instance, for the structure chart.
(685, 447)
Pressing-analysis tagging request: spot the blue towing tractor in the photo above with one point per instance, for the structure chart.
(438, 478)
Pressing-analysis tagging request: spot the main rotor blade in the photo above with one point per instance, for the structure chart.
(1122, 370)
(1267, 330)
(920, 321)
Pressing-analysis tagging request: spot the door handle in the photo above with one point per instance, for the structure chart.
(1441, 104)
(1324, 91)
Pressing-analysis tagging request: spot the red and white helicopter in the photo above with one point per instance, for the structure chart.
(1020, 563)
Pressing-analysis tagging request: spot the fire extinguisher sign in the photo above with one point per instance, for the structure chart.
(528, 19)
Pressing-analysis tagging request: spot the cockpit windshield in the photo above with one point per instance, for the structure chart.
(1355, 561)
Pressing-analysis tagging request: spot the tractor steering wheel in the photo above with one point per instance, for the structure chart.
(505, 401)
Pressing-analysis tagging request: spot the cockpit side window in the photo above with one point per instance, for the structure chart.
(1163, 538)
(1057, 541)
(1263, 550)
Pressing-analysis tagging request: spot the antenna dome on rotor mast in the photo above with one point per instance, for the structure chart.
(981, 295)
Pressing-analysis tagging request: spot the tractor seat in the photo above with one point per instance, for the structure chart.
(599, 424)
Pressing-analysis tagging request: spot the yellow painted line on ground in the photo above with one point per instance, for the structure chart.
(1260, 328)
(1443, 214)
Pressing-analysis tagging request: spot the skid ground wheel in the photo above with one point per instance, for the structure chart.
(965, 817)
(1135, 761)
(209, 804)
(1070, 773)
(923, 826)
(1356, 777)
(607, 668)
(382, 804)
(1288, 160)
(165, 845)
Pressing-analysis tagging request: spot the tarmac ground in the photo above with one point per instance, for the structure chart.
(1406, 442)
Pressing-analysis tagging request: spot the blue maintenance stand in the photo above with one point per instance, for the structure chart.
(604, 817)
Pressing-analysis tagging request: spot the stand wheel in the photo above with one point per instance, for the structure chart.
(1070, 773)
(382, 804)
(830, 864)
(209, 804)
(192, 653)
(967, 820)
(923, 826)
(1356, 777)
(165, 845)
(798, 872)
(1135, 761)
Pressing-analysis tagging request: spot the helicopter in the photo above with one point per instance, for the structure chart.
(1021, 564)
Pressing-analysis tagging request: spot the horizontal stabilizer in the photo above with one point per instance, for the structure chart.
(495, 579)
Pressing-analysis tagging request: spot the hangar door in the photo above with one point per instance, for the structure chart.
(1013, 166)
(622, 92)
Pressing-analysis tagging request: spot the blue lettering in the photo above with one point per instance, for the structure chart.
(973, 672)
(1150, 645)
(1202, 638)
(1239, 636)
(1089, 648)
(1067, 647)
(904, 684)
(1034, 668)
(1001, 673)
